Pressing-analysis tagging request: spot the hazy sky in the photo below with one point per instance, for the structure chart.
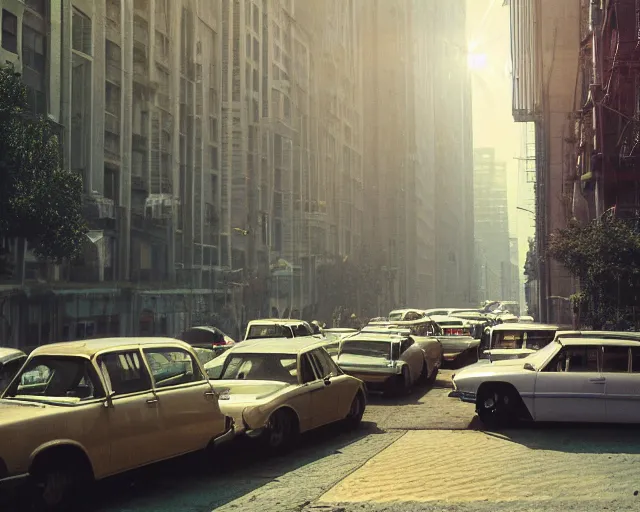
(488, 34)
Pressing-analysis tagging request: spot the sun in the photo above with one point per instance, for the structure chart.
(477, 61)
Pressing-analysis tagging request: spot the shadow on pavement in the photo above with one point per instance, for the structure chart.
(240, 468)
(589, 438)
(415, 397)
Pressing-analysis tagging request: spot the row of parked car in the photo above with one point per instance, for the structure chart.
(83, 410)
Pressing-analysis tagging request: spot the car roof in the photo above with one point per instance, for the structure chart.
(377, 336)
(277, 321)
(521, 326)
(597, 338)
(9, 354)
(91, 347)
(442, 318)
(292, 346)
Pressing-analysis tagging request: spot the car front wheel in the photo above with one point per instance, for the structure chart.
(497, 406)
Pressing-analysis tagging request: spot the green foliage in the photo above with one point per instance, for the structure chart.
(605, 256)
(39, 201)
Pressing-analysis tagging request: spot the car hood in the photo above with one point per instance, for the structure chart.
(247, 390)
(487, 367)
(356, 360)
(13, 411)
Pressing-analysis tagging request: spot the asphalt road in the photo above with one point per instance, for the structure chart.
(423, 452)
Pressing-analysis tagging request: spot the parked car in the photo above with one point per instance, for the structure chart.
(11, 360)
(424, 332)
(456, 338)
(89, 409)
(385, 361)
(207, 341)
(579, 377)
(278, 328)
(406, 314)
(518, 340)
(280, 388)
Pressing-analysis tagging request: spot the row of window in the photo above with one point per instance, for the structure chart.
(124, 372)
(596, 359)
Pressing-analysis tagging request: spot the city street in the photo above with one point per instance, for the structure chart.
(423, 452)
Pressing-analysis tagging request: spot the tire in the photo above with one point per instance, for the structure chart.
(424, 373)
(404, 382)
(431, 380)
(497, 406)
(56, 484)
(281, 431)
(356, 411)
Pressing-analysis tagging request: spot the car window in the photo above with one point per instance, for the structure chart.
(615, 359)
(273, 367)
(635, 359)
(8, 371)
(308, 375)
(172, 367)
(405, 345)
(66, 379)
(325, 365)
(124, 372)
(301, 330)
(575, 360)
(257, 331)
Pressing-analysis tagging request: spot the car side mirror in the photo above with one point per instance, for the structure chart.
(528, 366)
(327, 381)
(108, 402)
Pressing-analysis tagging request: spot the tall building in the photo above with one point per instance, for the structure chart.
(492, 219)
(603, 161)
(453, 187)
(418, 152)
(544, 84)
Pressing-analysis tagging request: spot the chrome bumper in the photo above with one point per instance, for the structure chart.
(229, 434)
(467, 397)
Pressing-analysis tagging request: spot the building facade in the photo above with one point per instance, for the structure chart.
(418, 152)
(545, 48)
(491, 216)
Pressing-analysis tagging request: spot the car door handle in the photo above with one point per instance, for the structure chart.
(597, 380)
(210, 393)
(152, 401)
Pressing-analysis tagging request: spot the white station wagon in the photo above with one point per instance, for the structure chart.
(580, 376)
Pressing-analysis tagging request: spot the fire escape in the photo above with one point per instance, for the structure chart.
(617, 109)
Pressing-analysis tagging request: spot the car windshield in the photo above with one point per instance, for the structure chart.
(395, 316)
(367, 348)
(517, 338)
(64, 380)
(539, 357)
(269, 331)
(274, 367)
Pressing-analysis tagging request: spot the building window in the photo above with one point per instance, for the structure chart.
(9, 31)
(81, 38)
(34, 51)
(36, 6)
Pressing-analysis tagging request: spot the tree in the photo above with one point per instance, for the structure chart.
(605, 256)
(39, 201)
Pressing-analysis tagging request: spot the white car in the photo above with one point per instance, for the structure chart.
(580, 376)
